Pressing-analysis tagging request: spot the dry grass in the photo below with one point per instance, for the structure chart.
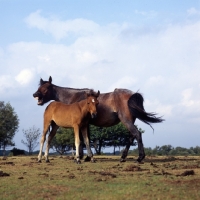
(157, 178)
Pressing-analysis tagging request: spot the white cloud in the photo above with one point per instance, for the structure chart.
(6, 81)
(149, 14)
(186, 101)
(60, 29)
(158, 107)
(190, 103)
(25, 76)
(193, 11)
(154, 81)
(123, 82)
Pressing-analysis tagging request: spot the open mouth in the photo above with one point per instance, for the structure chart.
(40, 100)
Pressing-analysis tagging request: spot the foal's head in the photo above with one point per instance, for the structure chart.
(92, 103)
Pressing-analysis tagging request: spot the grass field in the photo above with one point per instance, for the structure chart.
(157, 178)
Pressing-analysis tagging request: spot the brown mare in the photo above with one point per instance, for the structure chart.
(120, 105)
(75, 115)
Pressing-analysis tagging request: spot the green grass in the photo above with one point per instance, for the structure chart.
(157, 178)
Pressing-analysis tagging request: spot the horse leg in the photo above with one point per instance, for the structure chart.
(77, 143)
(138, 136)
(50, 137)
(43, 138)
(140, 146)
(81, 154)
(125, 151)
(87, 143)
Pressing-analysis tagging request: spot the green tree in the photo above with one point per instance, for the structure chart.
(9, 124)
(118, 136)
(196, 150)
(98, 138)
(114, 136)
(63, 140)
(32, 136)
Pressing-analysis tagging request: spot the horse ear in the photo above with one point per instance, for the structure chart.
(98, 93)
(50, 79)
(41, 81)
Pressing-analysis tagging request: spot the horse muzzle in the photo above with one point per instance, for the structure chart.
(94, 115)
(38, 98)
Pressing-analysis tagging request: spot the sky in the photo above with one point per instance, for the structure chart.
(148, 46)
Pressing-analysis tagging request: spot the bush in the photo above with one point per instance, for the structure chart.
(17, 152)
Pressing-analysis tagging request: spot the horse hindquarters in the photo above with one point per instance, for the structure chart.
(121, 101)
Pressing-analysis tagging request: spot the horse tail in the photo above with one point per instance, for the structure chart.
(135, 104)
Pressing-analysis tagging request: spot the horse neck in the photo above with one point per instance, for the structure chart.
(68, 95)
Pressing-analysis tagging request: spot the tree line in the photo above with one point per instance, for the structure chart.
(169, 150)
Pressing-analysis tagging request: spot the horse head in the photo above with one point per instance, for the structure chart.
(44, 92)
(92, 103)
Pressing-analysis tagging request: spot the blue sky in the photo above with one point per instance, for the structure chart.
(150, 46)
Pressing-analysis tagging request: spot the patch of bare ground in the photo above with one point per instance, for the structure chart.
(2, 174)
(103, 173)
(134, 168)
(187, 173)
(7, 163)
(71, 176)
(189, 183)
(51, 191)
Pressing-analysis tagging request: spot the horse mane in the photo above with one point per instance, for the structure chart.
(87, 90)
(91, 92)
(44, 82)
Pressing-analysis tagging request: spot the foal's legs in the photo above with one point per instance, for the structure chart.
(43, 138)
(77, 143)
(50, 137)
(87, 143)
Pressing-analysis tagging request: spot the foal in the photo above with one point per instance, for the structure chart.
(76, 116)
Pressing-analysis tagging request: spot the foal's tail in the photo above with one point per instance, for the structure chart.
(135, 104)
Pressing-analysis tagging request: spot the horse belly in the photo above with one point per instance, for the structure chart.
(63, 120)
(105, 119)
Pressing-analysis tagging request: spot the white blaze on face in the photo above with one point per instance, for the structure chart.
(93, 100)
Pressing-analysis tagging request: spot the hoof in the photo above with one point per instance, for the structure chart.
(141, 162)
(39, 161)
(78, 162)
(87, 159)
(47, 161)
(93, 161)
(140, 158)
(122, 160)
